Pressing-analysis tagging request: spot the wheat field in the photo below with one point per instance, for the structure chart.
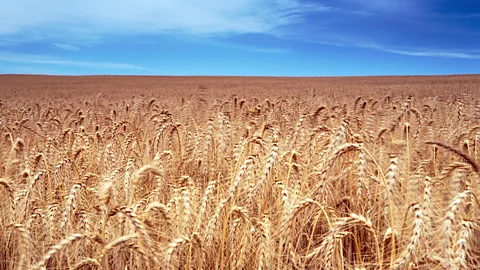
(239, 179)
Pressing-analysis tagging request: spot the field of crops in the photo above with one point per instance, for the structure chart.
(239, 173)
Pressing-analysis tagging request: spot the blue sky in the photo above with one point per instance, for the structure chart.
(240, 37)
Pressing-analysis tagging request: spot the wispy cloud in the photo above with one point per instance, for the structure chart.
(460, 16)
(49, 60)
(54, 18)
(459, 55)
(423, 52)
(389, 6)
(66, 47)
(31, 70)
(420, 52)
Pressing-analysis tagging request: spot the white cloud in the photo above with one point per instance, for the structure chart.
(48, 60)
(423, 52)
(31, 70)
(460, 55)
(54, 18)
(66, 47)
(390, 6)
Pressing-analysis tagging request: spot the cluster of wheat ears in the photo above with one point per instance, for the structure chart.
(240, 183)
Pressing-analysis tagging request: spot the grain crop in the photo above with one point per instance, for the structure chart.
(239, 173)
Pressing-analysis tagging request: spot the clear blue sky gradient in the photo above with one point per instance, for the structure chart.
(240, 37)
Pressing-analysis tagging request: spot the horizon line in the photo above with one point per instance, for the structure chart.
(242, 76)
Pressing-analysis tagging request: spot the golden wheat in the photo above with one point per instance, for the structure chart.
(251, 180)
